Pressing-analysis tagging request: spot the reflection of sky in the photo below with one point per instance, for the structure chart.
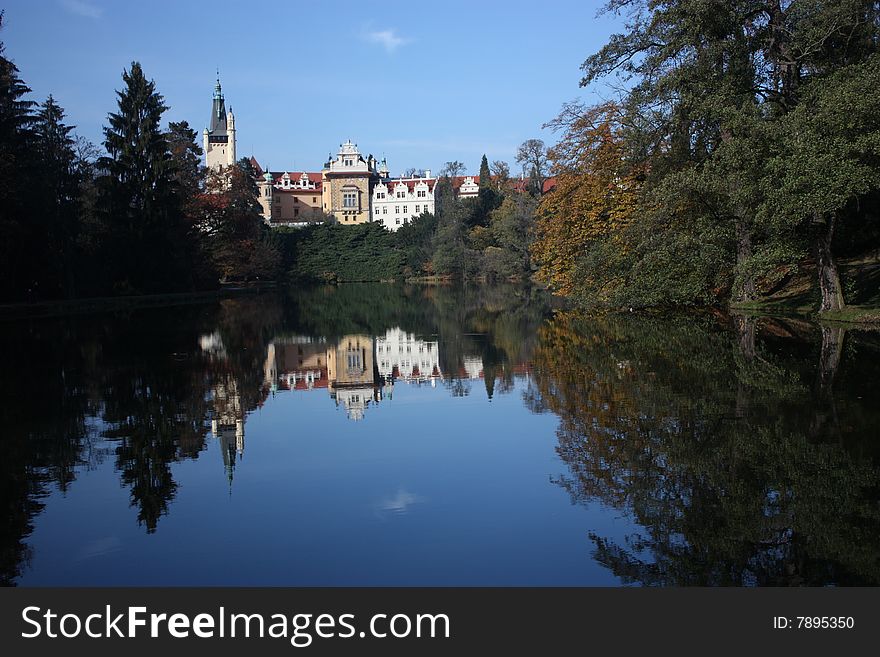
(399, 503)
(429, 489)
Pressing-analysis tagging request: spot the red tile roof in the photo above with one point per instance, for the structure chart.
(391, 183)
(294, 178)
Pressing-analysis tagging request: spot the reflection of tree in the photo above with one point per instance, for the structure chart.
(701, 435)
(138, 381)
(46, 437)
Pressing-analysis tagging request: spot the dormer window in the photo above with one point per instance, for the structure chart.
(348, 163)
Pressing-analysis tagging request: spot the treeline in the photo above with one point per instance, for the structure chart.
(472, 238)
(746, 147)
(140, 217)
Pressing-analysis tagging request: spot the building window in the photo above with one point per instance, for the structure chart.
(401, 195)
(296, 212)
(349, 199)
(385, 210)
(418, 209)
(396, 209)
(421, 193)
(397, 221)
(404, 209)
(296, 199)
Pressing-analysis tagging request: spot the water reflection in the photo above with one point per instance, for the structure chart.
(742, 451)
(731, 449)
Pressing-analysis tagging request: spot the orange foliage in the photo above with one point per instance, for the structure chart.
(595, 196)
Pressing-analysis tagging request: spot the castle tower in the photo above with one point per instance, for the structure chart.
(219, 139)
(266, 189)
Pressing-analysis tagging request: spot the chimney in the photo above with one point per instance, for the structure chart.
(427, 173)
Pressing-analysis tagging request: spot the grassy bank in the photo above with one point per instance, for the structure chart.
(797, 293)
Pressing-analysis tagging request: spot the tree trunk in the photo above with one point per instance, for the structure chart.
(745, 331)
(829, 278)
(824, 422)
(746, 291)
(829, 359)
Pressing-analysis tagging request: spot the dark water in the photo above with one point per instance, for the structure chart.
(428, 436)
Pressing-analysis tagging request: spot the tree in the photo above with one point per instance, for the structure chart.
(59, 193)
(708, 86)
(453, 169)
(485, 177)
(829, 160)
(510, 232)
(231, 220)
(15, 176)
(139, 201)
(501, 175)
(186, 158)
(532, 156)
(594, 201)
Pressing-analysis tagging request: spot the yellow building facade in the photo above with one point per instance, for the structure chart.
(347, 185)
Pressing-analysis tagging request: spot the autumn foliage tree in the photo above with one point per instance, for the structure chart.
(595, 197)
(230, 221)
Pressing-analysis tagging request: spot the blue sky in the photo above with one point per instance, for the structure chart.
(419, 83)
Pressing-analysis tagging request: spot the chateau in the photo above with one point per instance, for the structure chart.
(351, 188)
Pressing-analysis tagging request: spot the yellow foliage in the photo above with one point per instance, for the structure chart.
(596, 196)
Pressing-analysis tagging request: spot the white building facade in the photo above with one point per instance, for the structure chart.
(397, 201)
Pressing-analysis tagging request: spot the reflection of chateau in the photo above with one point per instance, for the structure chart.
(346, 368)
(227, 421)
(351, 368)
(297, 363)
(473, 367)
(403, 357)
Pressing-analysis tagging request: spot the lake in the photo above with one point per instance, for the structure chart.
(410, 435)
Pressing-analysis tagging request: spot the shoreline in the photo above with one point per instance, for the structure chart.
(88, 305)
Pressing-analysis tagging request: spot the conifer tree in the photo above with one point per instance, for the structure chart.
(485, 176)
(58, 199)
(144, 222)
(15, 120)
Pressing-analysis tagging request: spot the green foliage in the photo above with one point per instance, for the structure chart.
(414, 240)
(753, 136)
(485, 176)
(364, 252)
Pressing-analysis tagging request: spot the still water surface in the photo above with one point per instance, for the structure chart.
(382, 435)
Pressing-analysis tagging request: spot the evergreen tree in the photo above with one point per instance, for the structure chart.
(485, 176)
(15, 171)
(57, 202)
(139, 199)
